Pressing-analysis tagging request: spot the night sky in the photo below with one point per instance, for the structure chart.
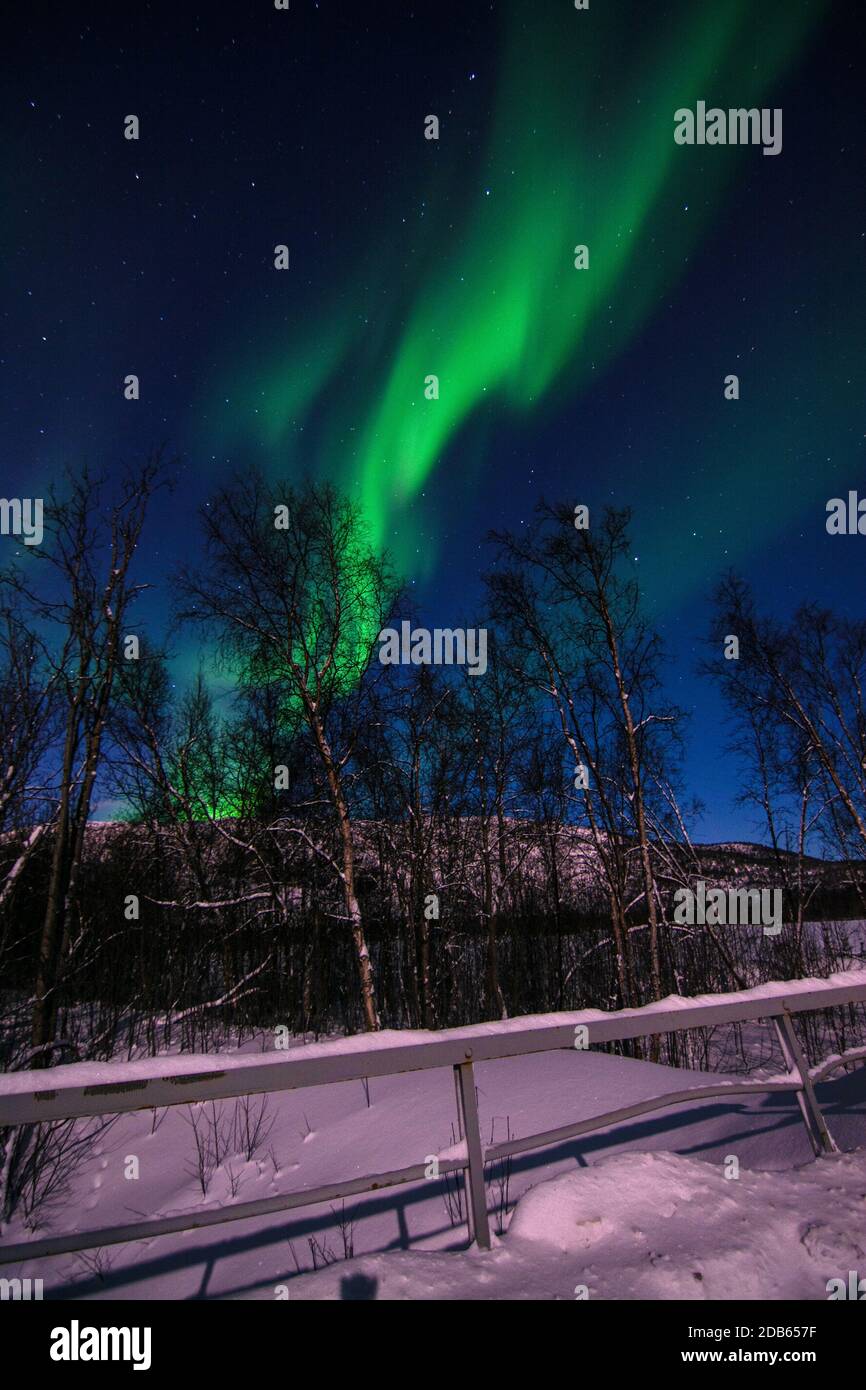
(455, 257)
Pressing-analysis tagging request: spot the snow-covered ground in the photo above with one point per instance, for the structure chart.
(644, 1226)
(642, 1210)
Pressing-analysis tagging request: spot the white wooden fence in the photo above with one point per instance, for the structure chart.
(96, 1088)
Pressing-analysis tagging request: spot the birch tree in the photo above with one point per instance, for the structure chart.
(296, 597)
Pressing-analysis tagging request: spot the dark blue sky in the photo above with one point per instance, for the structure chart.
(156, 258)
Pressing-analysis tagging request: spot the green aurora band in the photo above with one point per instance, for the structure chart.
(580, 151)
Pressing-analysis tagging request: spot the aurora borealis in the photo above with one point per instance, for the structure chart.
(452, 257)
(500, 314)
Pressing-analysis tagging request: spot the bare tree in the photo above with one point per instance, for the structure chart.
(86, 598)
(574, 623)
(796, 695)
(29, 717)
(297, 598)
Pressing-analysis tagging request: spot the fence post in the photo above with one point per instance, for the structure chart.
(476, 1197)
(816, 1126)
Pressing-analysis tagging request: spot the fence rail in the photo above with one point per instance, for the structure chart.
(95, 1088)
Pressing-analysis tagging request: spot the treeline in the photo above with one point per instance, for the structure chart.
(338, 843)
(195, 976)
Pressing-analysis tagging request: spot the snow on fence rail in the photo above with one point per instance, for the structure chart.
(103, 1088)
